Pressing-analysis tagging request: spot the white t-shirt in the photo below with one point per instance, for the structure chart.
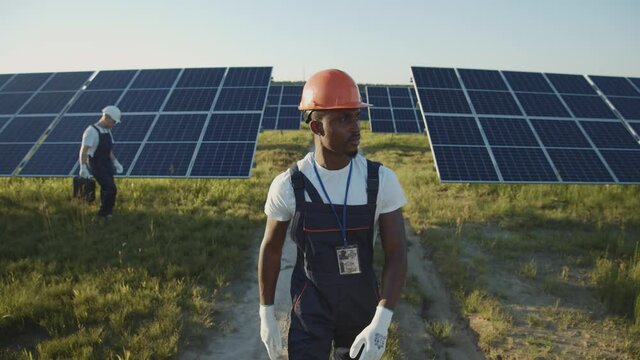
(281, 201)
(91, 138)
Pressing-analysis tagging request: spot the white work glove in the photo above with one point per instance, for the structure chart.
(374, 336)
(270, 331)
(84, 171)
(118, 166)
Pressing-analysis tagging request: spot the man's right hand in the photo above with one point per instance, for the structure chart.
(84, 171)
(270, 331)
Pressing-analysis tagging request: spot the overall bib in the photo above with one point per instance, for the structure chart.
(328, 305)
(102, 170)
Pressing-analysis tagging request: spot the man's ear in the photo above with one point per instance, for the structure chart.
(316, 127)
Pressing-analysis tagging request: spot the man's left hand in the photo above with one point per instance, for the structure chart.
(118, 166)
(373, 337)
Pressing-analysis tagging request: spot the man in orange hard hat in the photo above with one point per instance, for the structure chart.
(336, 201)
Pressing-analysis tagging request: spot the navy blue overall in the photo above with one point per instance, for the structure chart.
(102, 170)
(327, 305)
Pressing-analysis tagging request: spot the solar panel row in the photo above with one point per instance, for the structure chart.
(282, 111)
(176, 122)
(394, 110)
(506, 126)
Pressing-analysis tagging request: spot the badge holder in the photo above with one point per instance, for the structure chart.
(348, 262)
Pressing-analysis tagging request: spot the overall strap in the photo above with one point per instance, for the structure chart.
(372, 181)
(301, 183)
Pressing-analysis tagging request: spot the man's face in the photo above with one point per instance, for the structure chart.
(109, 122)
(341, 130)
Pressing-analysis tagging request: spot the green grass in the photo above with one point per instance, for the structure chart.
(144, 285)
(140, 286)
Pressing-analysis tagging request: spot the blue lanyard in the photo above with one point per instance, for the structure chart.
(343, 225)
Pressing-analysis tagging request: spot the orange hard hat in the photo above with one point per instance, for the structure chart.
(330, 89)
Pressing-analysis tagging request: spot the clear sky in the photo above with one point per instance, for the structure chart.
(375, 41)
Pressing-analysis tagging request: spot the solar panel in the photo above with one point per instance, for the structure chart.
(542, 128)
(282, 112)
(12, 155)
(4, 78)
(26, 82)
(617, 86)
(25, 129)
(171, 119)
(393, 111)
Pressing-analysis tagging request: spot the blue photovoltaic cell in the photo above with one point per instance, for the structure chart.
(224, 160)
(12, 155)
(575, 165)
(420, 120)
(609, 135)
(3, 120)
(378, 114)
(636, 82)
(271, 111)
(588, 107)
(425, 77)
(288, 123)
(443, 101)
(624, 163)
(527, 81)
(232, 127)
(556, 133)
(241, 99)
(269, 123)
(571, 84)
(191, 100)
(290, 111)
(26, 82)
(125, 153)
(182, 127)
(293, 100)
(379, 101)
(380, 91)
(25, 129)
(52, 160)
(508, 132)
(247, 77)
(164, 159)
(523, 164)
(10, 103)
(155, 79)
(400, 92)
(203, 78)
(95, 101)
(494, 103)
(464, 163)
(67, 81)
(634, 125)
(482, 79)
(142, 100)
(71, 128)
(112, 79)
(542, 105)
(133, 128)
(48, 102)
(449, 130)
(402, 102)
(407, 126)
(382, 126)
(617, 86)
(628, 107)
(294, 90)
(404, 115)
(4, 78)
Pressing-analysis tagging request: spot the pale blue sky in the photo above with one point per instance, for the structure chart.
(375, 41)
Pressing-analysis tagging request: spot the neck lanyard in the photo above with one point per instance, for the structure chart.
(343, 225)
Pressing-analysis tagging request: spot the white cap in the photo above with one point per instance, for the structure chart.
(113, 112)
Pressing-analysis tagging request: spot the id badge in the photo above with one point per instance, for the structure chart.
(348, 259)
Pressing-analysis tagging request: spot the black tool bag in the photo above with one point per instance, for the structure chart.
(84, 189)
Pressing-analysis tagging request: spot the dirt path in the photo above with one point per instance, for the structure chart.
(237, 332)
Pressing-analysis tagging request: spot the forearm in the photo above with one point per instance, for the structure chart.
(268, 271)
(393, 277)
(84, 156)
